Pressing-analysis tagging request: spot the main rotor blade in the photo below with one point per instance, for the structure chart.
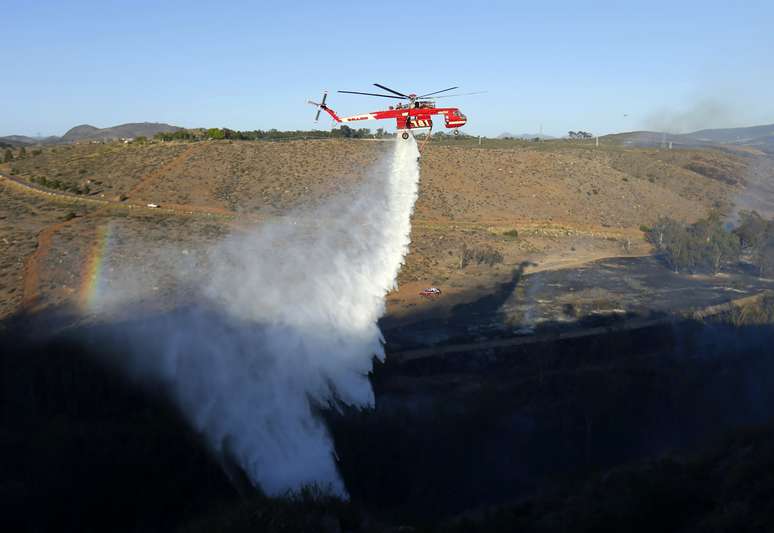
(374, 94)
(390, 90)
(325, 95)
(436, 92)
(317, 117)
(458, 94)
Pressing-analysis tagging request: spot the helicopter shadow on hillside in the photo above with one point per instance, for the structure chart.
(607, 291)
(478, 313)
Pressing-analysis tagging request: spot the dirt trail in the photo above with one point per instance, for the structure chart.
(151, 177)
(32, 265)
(527, 227)
(178, 209)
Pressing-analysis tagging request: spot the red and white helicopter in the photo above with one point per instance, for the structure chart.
(416, 113)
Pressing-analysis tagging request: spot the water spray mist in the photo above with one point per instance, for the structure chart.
(287, 323)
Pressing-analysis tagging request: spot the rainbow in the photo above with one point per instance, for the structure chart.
(92, 279)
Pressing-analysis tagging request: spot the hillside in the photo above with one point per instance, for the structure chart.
(564, 183)
(568, 202)
(122, 131)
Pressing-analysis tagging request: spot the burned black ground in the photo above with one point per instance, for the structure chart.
(525, 437)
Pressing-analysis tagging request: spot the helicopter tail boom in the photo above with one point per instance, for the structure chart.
(322, 107)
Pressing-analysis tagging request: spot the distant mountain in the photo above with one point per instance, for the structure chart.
(524, 136)
(733, 135)
(77, 133)
(23, 139)
(18, 140)
(761, 137)
(86, 132)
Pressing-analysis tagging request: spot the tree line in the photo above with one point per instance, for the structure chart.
(708, 244)
(579, 135)
(203, 134)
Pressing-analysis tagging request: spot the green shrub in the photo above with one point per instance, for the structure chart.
(512, 233)
(485, 255)
(216, 133)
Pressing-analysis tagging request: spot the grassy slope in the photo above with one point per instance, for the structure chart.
(568, 201)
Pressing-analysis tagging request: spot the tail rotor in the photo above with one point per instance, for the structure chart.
(320, 106)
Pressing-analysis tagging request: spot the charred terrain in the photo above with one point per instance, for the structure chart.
(569, 378)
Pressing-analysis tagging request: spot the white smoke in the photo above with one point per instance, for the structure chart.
(700, 114)
(288, 322)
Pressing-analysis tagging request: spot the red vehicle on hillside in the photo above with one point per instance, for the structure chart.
(430, 292)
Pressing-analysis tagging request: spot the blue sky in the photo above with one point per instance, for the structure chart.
(251, 65)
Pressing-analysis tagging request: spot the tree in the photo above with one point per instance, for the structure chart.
(703, 245)
(8, 156)
(216, 133)
(668, 237)
(751, 230)
(22, 153)
(346, 131)
(756, 236)
(764, 258)
(722, 246)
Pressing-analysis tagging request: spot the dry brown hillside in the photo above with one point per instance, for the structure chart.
(554, 204)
